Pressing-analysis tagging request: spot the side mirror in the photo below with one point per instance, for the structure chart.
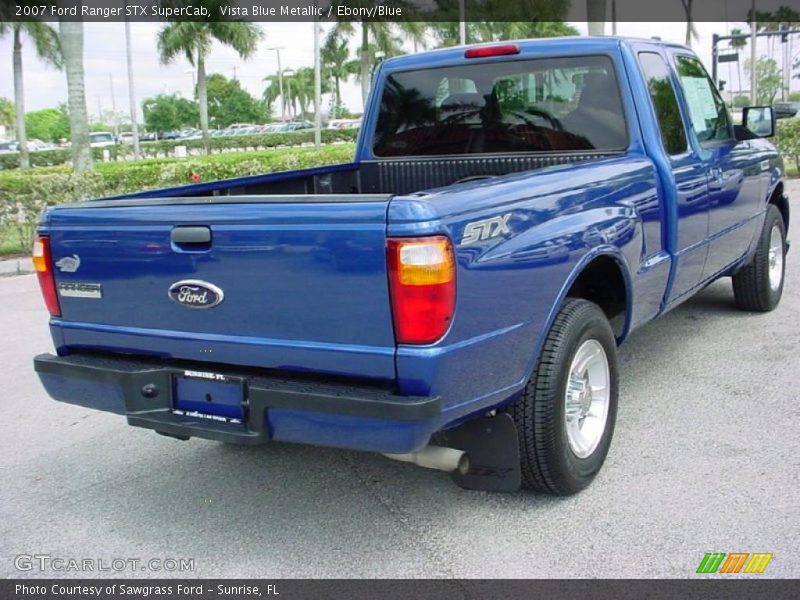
(759, 120)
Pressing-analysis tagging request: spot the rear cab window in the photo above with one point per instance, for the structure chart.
(100, 137)
(567, 104)
(665, 102)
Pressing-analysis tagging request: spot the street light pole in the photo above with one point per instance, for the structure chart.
(753, 39)
(277, 50)
(332, 83)
(317, 88)
(137, 154)
(113, 105)
(462, 22)
(289, 73)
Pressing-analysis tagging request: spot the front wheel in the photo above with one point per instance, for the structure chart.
(565, 416)
(758, 286)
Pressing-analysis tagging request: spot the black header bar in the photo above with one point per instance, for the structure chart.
(383, 10)
(407, 589)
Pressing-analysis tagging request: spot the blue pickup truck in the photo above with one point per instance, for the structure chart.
(455, 296)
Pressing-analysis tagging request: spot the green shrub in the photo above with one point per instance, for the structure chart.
(788, 140)
(164, 149)
(23, 194)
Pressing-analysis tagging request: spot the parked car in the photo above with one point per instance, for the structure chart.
(514, 211)
(344, 123)
(245, 130)
(298, 125)
(101, 139)
(169, 135)
(784, 110)
(34, 145)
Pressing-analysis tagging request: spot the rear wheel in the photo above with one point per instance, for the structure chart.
(758, 286)
(565, 416)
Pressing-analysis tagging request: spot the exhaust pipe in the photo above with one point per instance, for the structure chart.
(437, 457)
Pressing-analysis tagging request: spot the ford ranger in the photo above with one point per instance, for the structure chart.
(455, 296)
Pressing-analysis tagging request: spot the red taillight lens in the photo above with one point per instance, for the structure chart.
(422, 278)
(496, 50)
(43, 263)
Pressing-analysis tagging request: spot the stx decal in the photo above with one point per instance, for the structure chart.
(485, 229)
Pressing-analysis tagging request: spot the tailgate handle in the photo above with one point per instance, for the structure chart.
(191, 235)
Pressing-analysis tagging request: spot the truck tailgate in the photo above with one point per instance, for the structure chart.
(297, 283)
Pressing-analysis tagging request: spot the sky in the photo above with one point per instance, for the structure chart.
(104, 52)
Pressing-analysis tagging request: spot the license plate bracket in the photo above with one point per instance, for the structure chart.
(210, 395)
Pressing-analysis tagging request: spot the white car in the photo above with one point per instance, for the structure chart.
(101, 139)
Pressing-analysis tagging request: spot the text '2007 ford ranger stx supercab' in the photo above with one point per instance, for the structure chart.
(456, 295)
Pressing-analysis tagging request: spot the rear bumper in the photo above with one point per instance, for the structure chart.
(295, 409)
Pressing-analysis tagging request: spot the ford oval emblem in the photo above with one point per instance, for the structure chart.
(194, 293)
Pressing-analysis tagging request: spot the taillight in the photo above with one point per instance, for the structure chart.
(43, 263)
(422, 279)
(494, 50)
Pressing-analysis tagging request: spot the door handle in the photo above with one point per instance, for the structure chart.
(716, 179)
(191, 237)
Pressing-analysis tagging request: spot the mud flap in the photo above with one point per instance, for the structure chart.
(493, 449)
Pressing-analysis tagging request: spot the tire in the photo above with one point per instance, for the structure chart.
(758, 286)
(550, 460)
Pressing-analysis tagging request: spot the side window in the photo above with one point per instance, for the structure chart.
(707, 110)
(656, 73)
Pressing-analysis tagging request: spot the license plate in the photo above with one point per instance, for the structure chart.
(208, 395)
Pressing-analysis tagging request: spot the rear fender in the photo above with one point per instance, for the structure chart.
(596, 252)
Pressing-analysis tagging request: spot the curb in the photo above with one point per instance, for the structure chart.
(16, 266)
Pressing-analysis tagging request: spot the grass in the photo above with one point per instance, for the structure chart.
(9, 244)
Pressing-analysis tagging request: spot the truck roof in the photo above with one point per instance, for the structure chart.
(530, 47)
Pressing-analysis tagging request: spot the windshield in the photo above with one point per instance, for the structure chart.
(540, 105)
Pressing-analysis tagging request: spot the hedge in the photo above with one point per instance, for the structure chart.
(165, 149)
(788, 142)
(23, 194)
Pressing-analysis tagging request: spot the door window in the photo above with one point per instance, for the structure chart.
(707, 110)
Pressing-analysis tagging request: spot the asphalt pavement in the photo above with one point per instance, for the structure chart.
(705, 458)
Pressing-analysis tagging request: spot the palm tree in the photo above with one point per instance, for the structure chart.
(596, 16)
(71, 38)
(515, 30)
(786, 18)
(338, 65)
(45, 40)
(194, 41)
(737, 43)
(378, 35)
(299, 89)
(495, 31)
(302, 88)
(691, 30)
(271, 93)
